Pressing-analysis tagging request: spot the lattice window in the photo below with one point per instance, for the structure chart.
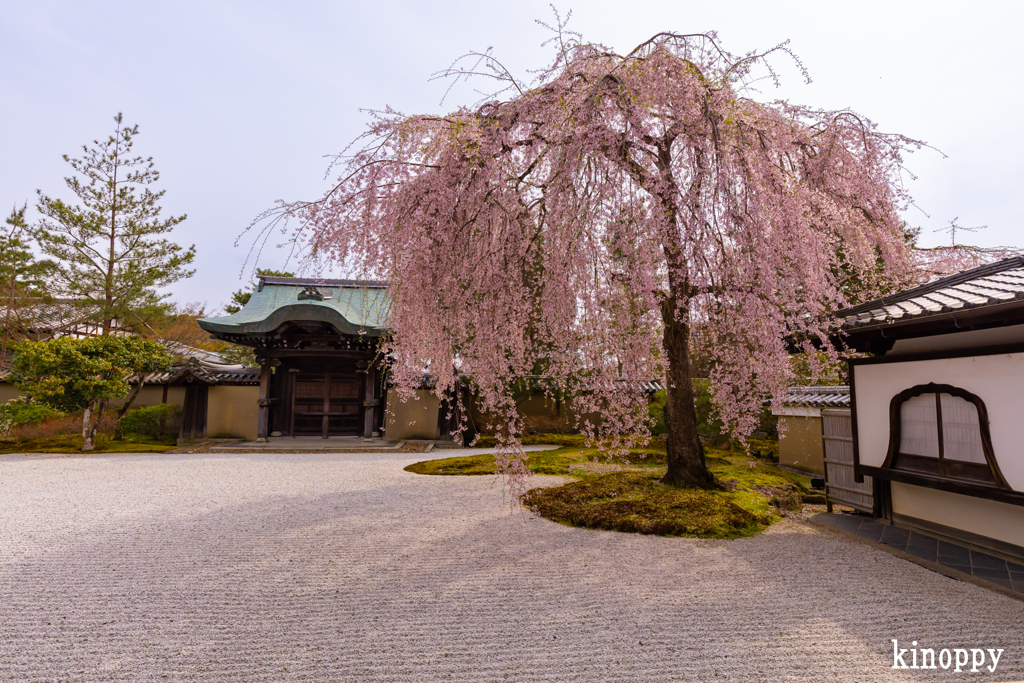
(942, 431)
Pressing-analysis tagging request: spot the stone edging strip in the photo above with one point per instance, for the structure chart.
(927, 564)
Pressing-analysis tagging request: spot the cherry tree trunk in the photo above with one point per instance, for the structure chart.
(686, 465)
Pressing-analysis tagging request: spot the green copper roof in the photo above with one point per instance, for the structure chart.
(351, 306)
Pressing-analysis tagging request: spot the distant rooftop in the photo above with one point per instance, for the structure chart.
(986, 286)
(818, 397)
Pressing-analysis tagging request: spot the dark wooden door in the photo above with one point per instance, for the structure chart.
(193, 412)
(327, 404)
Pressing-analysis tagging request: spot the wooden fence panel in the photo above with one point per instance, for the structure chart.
(840, 487)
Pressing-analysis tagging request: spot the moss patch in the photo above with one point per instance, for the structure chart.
(636, 502)
(73, 444)
(561, 461)
(573, 440)
(470, 464)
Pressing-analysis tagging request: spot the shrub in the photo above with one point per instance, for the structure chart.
(23, 411)
(150, 420)
(656, 411)
(61, 424)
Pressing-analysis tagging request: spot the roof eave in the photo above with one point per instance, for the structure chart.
(975, 318)
(290, 313)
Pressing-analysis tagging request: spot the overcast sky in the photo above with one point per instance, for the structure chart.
(238, 102)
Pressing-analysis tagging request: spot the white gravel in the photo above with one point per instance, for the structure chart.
(320, 567)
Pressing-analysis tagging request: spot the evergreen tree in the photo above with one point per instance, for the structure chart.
(243, 355)
(112, 248)
(21, 275)
(241, 297)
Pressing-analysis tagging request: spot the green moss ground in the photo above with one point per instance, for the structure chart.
(637, 502)
(73, 444)
(634, 500)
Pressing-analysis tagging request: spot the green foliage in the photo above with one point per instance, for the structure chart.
(19, 270)
(709, 425)
(69, 443)
(656, 411)
(149, 420)
(22, 277)
(817, 368)
(241, 297)
(22, 411)
(239, 355)
(111, 248)
(70, 374)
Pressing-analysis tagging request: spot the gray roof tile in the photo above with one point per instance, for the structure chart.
(818, 397)
(992, 284)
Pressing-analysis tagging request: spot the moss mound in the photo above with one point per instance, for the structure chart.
(574, 440)
(636, 502)
(467, 465)
(558, 462)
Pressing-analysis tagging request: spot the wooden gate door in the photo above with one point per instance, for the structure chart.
(327, 404)
(840, 487)
(193, 412)
(344, 405)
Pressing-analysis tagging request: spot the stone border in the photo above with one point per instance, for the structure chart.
(927, 564)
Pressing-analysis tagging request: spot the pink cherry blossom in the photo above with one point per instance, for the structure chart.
(580, 229)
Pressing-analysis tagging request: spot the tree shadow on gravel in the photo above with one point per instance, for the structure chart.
(414, 579)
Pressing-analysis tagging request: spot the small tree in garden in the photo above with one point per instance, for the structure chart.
(112, 248)
(581, 227)
(75, 374)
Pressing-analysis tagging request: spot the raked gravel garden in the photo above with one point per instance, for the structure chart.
(321, 567)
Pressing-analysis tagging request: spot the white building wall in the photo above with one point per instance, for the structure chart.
(997, 379)
(989, 518)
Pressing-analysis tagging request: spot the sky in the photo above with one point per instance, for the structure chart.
(240, 103)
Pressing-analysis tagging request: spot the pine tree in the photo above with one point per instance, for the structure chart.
(241, 296)
(112, 248)
(21, 275)
(243, 355)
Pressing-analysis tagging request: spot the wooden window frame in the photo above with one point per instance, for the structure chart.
(941, 467)
(966, 488)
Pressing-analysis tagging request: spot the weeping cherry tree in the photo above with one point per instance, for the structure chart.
(580, 228)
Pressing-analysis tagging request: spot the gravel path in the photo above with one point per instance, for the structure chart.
(321, 567)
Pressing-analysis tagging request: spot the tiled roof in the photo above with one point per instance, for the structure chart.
(818, 397)
(993, 284)
(206, 372)
(651, 387)
(354, 307)
(60, 317)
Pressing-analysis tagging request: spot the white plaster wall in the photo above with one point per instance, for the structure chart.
(972, 339)
(989, 518)
(997, 379)
(798, 411)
